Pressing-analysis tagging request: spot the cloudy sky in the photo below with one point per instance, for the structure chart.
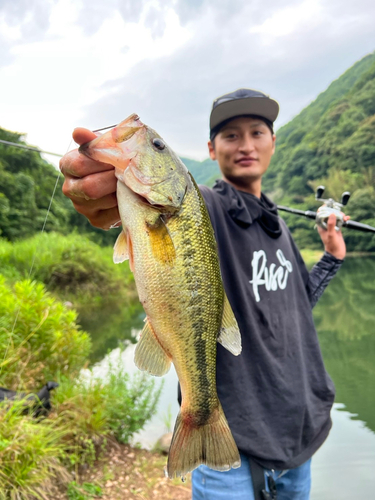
(66, 63)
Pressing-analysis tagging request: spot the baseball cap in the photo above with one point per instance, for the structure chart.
(242, 102)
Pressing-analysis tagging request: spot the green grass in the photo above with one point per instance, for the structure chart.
(30, 454)
(73, 267)
(84, 491)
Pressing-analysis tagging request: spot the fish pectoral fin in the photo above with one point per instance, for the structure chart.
(161, 242)
(229, 334)
(149, 354)
(120, 250)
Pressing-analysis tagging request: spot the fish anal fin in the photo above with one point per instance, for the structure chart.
(149, 355)
(161, 242)
(120, 250)
(229, 334)
(211, 444)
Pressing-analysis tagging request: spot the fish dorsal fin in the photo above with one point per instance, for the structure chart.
(161, 242)
(120, 250)
(229, 334)
(149, 355)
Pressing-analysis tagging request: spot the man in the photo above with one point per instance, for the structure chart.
(276, 395)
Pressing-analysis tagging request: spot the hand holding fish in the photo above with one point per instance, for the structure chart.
(333, 240)
(90, 184)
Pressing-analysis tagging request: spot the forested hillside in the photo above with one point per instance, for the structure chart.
(26, 185)
(334, 131)
(331, 142)
(204, 172)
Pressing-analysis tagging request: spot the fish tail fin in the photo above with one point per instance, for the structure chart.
(211, 444)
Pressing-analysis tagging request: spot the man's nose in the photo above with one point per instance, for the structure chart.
(247, 144)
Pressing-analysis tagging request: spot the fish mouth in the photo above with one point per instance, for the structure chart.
(116, 146)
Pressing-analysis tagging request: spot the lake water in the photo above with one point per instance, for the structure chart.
(344, 467)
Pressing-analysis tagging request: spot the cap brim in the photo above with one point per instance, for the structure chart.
(260, 106)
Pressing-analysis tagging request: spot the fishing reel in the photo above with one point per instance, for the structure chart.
(330, 206)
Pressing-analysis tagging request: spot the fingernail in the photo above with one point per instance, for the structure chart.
(79, 194)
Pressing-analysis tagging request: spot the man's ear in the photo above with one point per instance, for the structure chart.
(274, 143)
(211, 150)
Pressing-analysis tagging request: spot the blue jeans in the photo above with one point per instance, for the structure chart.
(236, 484)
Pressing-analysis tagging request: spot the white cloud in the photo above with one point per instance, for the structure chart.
(49, 81)
(65, 63)
(285, 21)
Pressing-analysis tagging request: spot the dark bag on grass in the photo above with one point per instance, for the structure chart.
(39, 403)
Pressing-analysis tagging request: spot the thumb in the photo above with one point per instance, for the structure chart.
(331, 223)
(83, 135)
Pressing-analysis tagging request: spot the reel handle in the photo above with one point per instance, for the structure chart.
(345, 198)
(319, 192)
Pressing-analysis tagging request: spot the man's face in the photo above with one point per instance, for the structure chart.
(243, 148)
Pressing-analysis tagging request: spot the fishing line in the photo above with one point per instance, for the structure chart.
(22, 146)
(37, 150)
(105, 128)
(35, 252)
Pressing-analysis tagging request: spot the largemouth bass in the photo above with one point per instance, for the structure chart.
(169, 241)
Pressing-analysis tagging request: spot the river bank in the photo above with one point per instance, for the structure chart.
(124, 472)
(46, 443)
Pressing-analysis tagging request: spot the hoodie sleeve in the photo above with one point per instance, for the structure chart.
(320, 275)
(317, 279)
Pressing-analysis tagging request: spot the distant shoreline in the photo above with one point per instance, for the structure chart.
(310, 257)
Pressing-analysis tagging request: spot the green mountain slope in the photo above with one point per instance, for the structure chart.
(204, 172)
(26, 185)
(335, 131)
(331, 142)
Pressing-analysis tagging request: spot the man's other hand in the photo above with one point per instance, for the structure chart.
(91, 185)
(333, 240)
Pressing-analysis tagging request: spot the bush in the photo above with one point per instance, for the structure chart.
(38, 336)
(40, 340)
(129, 403)
(96, 409)
(81, 408)
(85, 415)
(72, 266)
(30, 454)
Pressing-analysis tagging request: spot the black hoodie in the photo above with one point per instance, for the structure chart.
(276, 395)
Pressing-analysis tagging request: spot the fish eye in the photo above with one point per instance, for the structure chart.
(158, 143)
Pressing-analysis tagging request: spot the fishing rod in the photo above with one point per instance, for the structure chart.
(330, 206)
